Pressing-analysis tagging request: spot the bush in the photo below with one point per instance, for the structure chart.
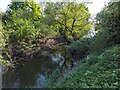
(92, 59)
(79, 49)
(102, 73)
(108, 20)
(100, 41)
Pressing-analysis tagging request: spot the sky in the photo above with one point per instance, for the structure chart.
(94, 7)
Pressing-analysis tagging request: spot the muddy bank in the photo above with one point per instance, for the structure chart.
(45, 47)
(42, 47)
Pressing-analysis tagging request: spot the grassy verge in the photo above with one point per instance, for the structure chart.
(98, 71)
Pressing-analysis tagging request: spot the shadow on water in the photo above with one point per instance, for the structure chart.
(33, 73)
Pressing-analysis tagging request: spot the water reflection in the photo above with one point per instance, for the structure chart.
(40, 81)
(57, 57)
(31, 74)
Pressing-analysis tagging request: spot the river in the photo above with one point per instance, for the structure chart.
(33, 73)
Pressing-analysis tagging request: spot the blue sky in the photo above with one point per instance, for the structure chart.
(94, 8)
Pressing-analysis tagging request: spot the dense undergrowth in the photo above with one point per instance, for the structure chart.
(98, 71)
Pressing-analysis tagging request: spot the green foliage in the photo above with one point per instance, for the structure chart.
(79, 49)
(102, 72)
(100, 41)
(28, 10)
(20, 21)
(24, 23)
(4, 62)
(48, 31)
(72, 19)
(101, 68)
(93, 59)
(108, 20)
(107, 27)
(20, 28)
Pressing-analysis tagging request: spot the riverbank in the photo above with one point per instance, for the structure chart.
(97, 71)
(32, 73)
(43, 47)
(40, 47)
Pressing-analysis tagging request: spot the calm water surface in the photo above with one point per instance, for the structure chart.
(33, 73)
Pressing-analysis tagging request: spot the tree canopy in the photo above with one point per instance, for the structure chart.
(21, 21)
(108, 21)
(71, 18)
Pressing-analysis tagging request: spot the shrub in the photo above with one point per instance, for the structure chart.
(92, 59)
(102, 73)
(79, 49)
(100, 41)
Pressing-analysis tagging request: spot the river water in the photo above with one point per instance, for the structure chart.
(32, 74)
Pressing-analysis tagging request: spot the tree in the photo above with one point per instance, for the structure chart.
(21, 21)
(108, 21)
(107, 26)
(21, 24)
(72, 19)
(30, 10)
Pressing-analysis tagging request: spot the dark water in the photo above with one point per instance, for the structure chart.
(33, 73)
